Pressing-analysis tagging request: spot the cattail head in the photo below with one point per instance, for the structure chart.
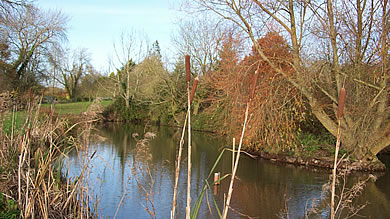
(341, 103)
(188, 68)
(194, 89)
(254, 84)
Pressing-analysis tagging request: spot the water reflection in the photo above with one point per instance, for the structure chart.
(264, 189)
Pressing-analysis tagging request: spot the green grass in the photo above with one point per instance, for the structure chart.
(62, 109)
(19, 120)
(8, 208)
(313, 143)
(74, 108)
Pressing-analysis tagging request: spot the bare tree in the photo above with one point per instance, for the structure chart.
(29, 33)
(68, 68)
(128, 51)
(200, 38)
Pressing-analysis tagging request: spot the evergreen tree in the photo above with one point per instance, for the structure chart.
(156, 50)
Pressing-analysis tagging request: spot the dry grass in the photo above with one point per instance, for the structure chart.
(345, 197)
(142, 171)
(31, 168)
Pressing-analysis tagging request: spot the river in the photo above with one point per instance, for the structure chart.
(129, 183)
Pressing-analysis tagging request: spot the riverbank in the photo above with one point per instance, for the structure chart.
(323, 162)
(314, 154)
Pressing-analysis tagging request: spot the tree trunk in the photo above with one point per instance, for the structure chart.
(127, 99)
(383, 100)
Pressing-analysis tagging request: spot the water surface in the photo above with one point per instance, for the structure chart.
(140, 180)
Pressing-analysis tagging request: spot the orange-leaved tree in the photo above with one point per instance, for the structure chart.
(276, 106)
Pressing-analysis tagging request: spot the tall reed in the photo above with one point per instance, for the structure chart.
(190, 96)
(177, 172)
(230, 191)
(336, 153)
(188, 77)
(142, 171)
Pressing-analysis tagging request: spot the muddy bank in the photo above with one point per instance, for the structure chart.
(324, 162)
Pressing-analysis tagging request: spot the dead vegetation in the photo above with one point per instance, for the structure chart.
(142, 171)
(31, 168)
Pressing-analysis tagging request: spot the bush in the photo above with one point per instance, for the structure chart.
(314, 142)
(118, 111)
(203, 121)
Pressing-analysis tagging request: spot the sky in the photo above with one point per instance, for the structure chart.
(97, 24)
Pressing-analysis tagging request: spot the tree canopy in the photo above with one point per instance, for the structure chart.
(332, 46)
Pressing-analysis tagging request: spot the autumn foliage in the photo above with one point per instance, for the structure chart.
(276, 106)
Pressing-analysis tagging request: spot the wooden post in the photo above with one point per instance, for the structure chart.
(216, 178)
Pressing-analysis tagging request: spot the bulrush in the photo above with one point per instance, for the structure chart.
(336, 152)
(188, 66)
(194, 85)
(341, 103)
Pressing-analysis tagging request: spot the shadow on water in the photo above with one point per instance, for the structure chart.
(263, 189)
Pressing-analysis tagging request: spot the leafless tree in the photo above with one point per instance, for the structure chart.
(68, 67)
(29, 33)
(129, 50)
(199, 37)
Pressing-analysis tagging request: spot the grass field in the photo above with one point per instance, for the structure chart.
(19, 120)
(74, 108)
(60, 108)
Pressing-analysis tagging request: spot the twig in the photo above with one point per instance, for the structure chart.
(241, 214)
(121, 201)
(10, 197)
(244, 152)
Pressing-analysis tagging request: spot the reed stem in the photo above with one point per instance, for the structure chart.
(336, 153)
(188, 208)
(177, 172)
(230, 192)
(234, 148)
(334, 172)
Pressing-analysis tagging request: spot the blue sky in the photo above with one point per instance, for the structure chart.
(97, 24)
